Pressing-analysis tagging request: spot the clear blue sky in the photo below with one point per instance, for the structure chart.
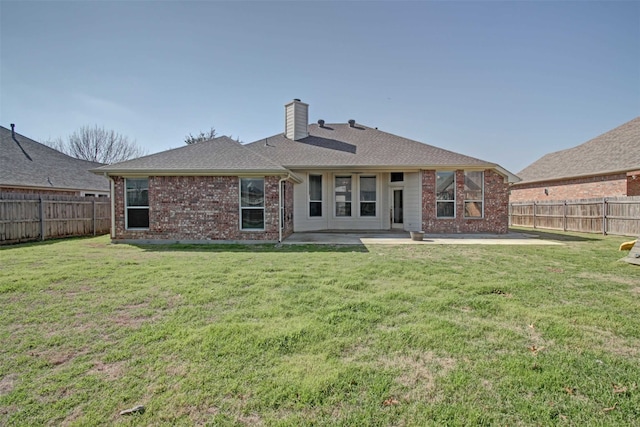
(503, 81)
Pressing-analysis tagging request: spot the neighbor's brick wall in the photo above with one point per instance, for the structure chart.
(197, 208)
(37, 191)
(568, 189)
(496, 206)
(633, 185)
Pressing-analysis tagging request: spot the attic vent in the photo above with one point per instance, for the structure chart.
(321, 123)
(352, 123)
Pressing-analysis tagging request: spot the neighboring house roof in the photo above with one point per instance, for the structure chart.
(336, 145)
(28, 163)
(615, 151)
(221, 155)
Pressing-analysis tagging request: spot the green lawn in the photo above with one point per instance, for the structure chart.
(378, 335)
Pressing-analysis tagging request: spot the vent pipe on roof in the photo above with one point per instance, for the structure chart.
(352, 123)
(13, 136)
(321, 123)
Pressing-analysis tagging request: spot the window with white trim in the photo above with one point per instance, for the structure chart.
(252, 203)
(473, 194)
(136, 203)
(446, 194)
(343, 195)
(315, 195)
(368, 196)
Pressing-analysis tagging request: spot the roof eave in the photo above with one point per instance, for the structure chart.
(512, 178)
(44, 188)
(558, 178)
(188, 172)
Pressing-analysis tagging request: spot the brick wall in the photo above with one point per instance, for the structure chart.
(199, 208)
(496, 206)
(633, 183)
(288, 209)
(37, 191)
(568, 189)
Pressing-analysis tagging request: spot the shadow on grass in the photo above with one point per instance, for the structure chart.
(47, 242)
(556, 235)
(232, 247)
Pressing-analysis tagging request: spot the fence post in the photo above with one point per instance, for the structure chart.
(534, 213)
(564, 215)
(604, 216)
(93, 202)
(41, 218)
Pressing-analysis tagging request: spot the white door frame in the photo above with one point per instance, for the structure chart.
(399, 225)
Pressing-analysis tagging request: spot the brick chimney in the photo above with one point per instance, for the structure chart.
(296, 120)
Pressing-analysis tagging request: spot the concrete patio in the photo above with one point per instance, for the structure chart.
(403, 238)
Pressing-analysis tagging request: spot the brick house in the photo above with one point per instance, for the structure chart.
(27, 166)
(606, 166)
(342, 176)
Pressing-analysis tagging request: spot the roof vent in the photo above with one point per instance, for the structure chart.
(321, 123)
(13, 130)
(352, 123)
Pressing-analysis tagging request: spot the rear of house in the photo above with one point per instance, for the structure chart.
(318, 177)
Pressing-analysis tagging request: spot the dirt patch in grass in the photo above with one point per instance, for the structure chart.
(72, 417)
(613, 343)
(418, 374)
(132, 315)
(608, 278)
(7, 383)
(112, 371)
(250, 420)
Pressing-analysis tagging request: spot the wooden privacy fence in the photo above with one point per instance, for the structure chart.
(27, 217)
(612, 215)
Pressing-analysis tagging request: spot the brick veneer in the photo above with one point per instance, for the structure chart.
(496, 206)
(579, 188)
(633, 183)
(38, 191)
(201, 208)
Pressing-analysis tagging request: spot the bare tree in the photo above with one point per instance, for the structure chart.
(98, 144)
(202, 136)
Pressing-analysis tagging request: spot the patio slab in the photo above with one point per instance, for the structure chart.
(403, 238)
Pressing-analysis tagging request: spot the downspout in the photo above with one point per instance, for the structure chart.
(280, 201)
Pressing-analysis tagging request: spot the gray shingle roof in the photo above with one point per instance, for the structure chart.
(47, 168)
(615, 151)
(219, 155)
(336, 145)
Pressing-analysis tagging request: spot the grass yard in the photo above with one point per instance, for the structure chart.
(291, 336)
